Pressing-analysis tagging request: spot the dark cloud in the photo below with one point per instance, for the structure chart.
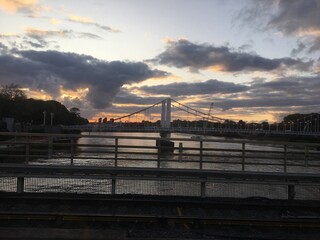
(48, 70)
(299, 18)
(183, 53)
(271, 103)
(315, 46)
(3, 48)
(283, 92)
(186, 89)
(125, 97)
(295, 17)
(300, 47)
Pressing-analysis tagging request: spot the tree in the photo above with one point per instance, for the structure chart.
(75, 111)
(12, 92)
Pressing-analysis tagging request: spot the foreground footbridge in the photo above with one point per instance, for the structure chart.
(126, 187)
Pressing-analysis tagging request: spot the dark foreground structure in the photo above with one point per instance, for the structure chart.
(52, 216)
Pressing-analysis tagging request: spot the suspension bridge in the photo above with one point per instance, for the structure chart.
(169, 115)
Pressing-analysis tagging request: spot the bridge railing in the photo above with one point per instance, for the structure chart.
(140, 151)
(107, 127)
(99, 163)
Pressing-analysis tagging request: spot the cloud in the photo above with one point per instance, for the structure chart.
(30, 8)
(8, 35)
(48, 70)
(298, 18)
(289, 92)
(183, 53)
(125, 97)
(187, 89)
(38, 38)
(55, 21)
(17, 5)
(41, 36)
(283, 92)
(91, 22)
(79, 19)
(3, 49)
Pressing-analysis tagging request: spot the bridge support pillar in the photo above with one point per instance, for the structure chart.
(164, 144)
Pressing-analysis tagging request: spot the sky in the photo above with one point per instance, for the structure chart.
(255, 60)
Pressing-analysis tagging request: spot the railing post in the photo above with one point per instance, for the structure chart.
(113, 186)
(203, 189)
(180, 151)
(72, 151)
(158, 160)
(291, 192)
(50, 141)
(243, 156)
(285, 158)
(20, 184)
(116, 152)
(201, 154)
(306, 153)
(27, 150)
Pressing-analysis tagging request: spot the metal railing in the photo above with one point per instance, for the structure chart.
(199, 180)
(106, 127)
(119, 163)
(197, 153)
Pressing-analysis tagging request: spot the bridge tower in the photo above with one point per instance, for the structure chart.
(165, 118)
(164, 143)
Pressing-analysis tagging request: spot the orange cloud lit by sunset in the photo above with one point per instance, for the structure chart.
(36, 94)
(79, 93)
(80, 19)
(217, 68)
(13, 6)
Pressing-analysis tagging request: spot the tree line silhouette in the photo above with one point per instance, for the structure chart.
(15, 104)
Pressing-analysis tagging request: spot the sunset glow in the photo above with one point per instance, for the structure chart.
(254, 61)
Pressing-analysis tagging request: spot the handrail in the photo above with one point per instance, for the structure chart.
(26, 148)
(164, 174)
(204, 177)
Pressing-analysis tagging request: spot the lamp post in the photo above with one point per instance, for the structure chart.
(44, 118)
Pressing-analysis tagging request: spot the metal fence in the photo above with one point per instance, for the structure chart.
(290, 169)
